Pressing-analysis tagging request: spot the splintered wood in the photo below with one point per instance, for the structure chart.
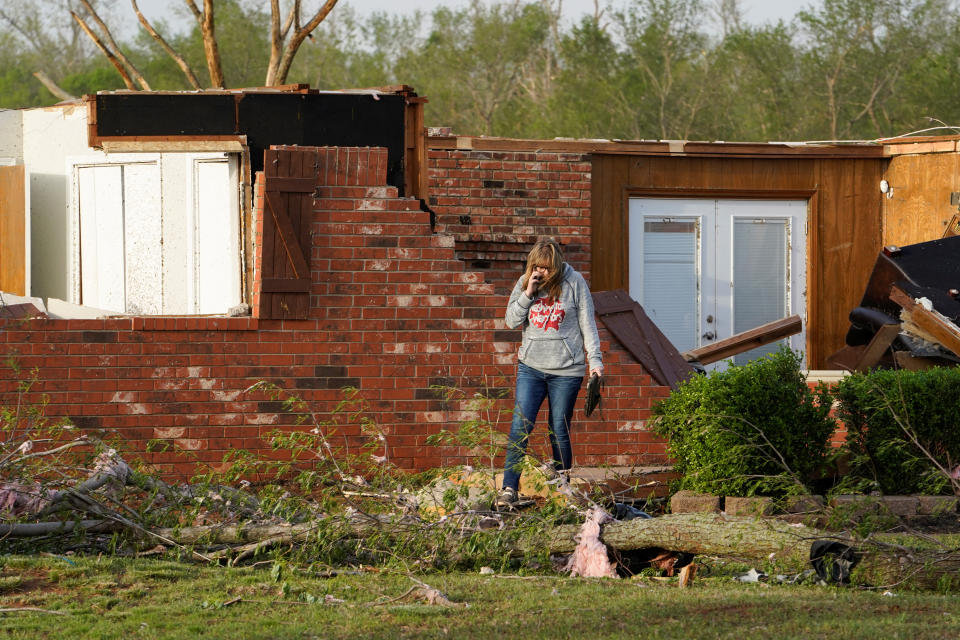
(926, 323)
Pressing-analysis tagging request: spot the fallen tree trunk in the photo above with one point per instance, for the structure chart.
(773, 544)
(733, 537)
(32, 529)
(355, 526)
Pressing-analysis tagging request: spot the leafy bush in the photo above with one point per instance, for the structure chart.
(752, 429)
(902, 429)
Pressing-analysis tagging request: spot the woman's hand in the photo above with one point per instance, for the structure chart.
(533, 284)
(596, 372)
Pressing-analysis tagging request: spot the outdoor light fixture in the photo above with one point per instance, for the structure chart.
(886, 189)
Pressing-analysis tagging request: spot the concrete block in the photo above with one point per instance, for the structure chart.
(855, 507)
(690, 502)
(753, 506)
(803, 504)
(937, 505)
(901, 506)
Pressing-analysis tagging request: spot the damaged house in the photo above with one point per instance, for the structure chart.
(186, 245)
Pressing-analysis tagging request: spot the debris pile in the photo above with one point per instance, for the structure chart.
(909, 314)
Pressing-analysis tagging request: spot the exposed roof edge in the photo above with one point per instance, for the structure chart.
(660, 147)
(291, 88)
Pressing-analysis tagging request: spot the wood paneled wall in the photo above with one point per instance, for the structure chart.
(919, 208)
(13, 217)
(844, 231)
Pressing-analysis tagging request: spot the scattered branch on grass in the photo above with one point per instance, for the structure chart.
(347, 507)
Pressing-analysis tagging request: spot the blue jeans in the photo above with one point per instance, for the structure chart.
(532, 387)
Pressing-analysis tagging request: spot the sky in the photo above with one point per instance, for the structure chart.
(756, 11)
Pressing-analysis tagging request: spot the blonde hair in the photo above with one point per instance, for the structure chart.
(546, 253)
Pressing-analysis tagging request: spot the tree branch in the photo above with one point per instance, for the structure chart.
(293, 19)
(187, 71)
(298, 37)
(194, 10)
(52, 86)
(103, 49)
(276, 42)
(210, 49)
(113, 43)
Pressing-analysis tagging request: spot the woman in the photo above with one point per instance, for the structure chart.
(552, 302)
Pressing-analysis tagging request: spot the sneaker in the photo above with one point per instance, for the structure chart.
(507, 498)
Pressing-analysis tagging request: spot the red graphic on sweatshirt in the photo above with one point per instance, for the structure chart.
(547, 313)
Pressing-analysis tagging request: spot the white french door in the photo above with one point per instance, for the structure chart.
(120, 237)
(706, 269)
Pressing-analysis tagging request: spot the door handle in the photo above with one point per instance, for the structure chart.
(709, 335)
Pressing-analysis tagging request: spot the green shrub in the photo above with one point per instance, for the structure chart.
(902, 429)
(752, 429)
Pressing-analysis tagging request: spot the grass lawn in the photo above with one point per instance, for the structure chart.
(123, 598)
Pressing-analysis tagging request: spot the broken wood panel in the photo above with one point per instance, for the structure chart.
(846, 359)
(953, 227)
(934, 324)
(863, 357)
(631, 326)
(13, 225)
(920, 207)
(661, 348)
(623, 324)
(764, 334)
(910, 362)
(877, 347)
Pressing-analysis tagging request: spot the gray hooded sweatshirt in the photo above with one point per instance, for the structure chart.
(556, 332)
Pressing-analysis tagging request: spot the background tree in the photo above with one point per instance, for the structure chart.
(287, 32)
(478, 64)
(857, 54)
(668, 64)
(759, 93)
(592, 96)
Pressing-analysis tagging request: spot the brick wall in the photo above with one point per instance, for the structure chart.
(496, 203)
(393, 311)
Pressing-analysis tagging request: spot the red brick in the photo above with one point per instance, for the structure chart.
(388, 299)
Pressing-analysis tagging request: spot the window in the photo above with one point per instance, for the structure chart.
(156, 233)
(706, 269)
